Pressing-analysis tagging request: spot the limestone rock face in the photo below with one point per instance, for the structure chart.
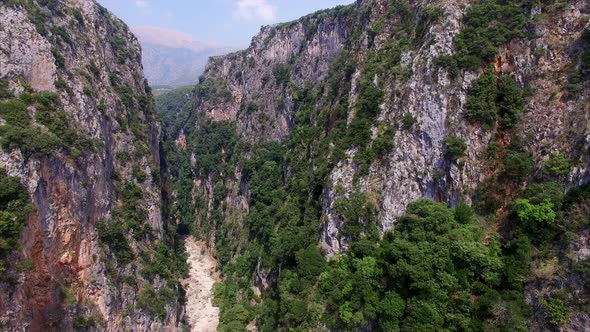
(246, 84)
(90, 59)
(256, 88)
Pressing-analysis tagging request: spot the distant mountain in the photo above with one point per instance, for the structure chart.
(172, 58)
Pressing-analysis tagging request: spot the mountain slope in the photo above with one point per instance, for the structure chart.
(171, 58)
(325, 134)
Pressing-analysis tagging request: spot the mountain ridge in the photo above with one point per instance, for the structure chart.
(172, 58)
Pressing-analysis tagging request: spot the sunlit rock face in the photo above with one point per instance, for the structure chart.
(90, 60)
(247, 88)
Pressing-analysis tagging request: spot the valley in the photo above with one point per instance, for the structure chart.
(387, 165)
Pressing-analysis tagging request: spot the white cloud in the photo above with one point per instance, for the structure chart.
(142, 3)
(255, 10)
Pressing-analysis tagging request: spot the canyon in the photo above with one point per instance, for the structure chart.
(386, 165)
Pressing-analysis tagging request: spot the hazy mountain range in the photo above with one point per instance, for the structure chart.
(172, 58)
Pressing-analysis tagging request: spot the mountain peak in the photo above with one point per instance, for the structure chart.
(170, 38)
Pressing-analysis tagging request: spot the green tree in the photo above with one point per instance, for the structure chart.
(455, 148)
(310, 262)
(534, 216)
(487, 25)
(510, 101)
(481, 100)
(557, 164)
(517, 165)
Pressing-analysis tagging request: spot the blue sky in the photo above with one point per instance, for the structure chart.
(224, 22)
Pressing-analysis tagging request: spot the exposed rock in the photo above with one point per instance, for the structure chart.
(74, 190)
(256, 89)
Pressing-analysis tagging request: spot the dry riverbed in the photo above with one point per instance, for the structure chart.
(202, 315)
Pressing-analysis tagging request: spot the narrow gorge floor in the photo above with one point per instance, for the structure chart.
(202, 315)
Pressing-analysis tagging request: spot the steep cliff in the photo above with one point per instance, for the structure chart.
(80, 132)
(322, 132)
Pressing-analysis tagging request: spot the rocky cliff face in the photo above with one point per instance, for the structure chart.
(389, 59)
(255, 88)
(258, 81)
(87, 152)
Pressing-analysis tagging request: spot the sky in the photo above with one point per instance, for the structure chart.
(222, 22)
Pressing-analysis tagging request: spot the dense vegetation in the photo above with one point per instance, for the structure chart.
(491, 98)
(487, 24)
(21, 132)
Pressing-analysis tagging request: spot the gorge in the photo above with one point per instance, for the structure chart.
(390, 165)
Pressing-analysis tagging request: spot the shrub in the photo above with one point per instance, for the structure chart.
(408, 121)
(517, 165)
(124, 157)
(427, 17)
(101, 106)
(463, 213)
(510, 101)
(154, 302)
(448, 62)
(481, 100)
(113, 235)
(31, 141)
(555, 311)
(534, 215)
(126, 95)
(139, 174)
(213, 89)
(119, 46)
(384, 142)
(94, 70)
(25, 265)
(78, 16)
(455, 148)
(282, 74)
(15, 113)
(251, 107)
(557, 164)
(60, 61)
(537, 193)
(62, 33)
(89, 92)
(14, 209)
(62, 85)
(130, 280)
(358, 213)
(81, 322)
(5, 92)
